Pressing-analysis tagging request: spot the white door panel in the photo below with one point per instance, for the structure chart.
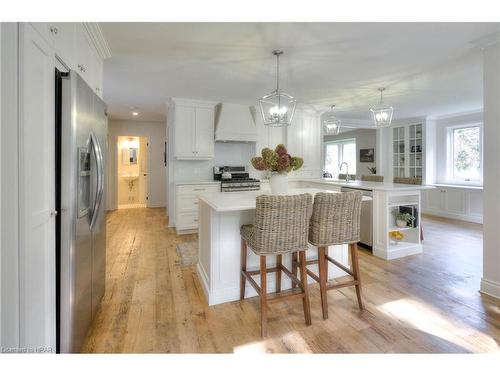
(37, 185)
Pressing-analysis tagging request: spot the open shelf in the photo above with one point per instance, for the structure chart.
(395, 229)
(397, 204)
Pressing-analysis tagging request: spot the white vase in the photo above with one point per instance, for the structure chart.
(279, 183)
(401, 223)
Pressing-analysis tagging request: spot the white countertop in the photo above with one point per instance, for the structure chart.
(368, 185)
(207, 182)
(245, 200)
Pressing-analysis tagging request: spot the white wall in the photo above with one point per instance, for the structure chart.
(365, 138)
(156, 132)
(441, 125)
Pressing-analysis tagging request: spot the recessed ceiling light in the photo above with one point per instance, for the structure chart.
(135, 113)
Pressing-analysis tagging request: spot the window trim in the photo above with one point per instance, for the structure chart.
(450, 152)
(341, 143)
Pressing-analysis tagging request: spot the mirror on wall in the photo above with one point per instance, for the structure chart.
(129, 156)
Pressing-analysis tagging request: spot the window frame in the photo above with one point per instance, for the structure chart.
(450, 178)
(341, 143)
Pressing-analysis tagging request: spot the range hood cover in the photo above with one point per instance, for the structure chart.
(234, 123)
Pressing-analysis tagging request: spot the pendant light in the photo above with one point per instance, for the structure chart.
(277, 108)
(331, 124)
(381, 113)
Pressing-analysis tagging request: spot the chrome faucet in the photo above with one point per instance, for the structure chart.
(346, 171)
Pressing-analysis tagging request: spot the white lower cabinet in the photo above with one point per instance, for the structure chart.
(460, 203)
(186, 205)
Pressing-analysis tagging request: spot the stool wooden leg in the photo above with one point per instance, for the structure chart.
(323, 276)
(294, 268)
(303, 279)
(263, 292)
(355, 270)
(279, 260)
(243, 263)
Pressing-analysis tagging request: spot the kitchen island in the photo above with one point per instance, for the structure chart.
(220, 217)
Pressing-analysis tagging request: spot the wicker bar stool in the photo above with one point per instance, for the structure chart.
(280, 227)
(335, 221)
(408, 180)
(372, 177)
(411, 181)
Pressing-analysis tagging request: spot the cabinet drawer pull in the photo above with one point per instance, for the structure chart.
(195, 220)
(200, 189)
(195, 203)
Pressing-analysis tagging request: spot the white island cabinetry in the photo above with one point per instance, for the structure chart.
(219, 243)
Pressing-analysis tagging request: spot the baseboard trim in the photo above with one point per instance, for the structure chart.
(133, 205)
(490, 287)
(470, 219)
(156, 204)
(395, 253)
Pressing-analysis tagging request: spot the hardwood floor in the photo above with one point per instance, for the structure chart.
(423, 303)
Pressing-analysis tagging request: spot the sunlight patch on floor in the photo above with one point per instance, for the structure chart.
(425, 318)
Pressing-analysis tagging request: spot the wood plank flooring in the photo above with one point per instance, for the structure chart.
(423, 303)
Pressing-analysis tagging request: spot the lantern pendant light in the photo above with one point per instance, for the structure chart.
(331, 124)
(381, 113)
(277, 108)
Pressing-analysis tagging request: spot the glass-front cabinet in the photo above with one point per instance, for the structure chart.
(407, 151)
(415, 150)
(399, 151)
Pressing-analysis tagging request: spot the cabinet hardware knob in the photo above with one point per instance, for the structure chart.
(53, 213)
(55, 30)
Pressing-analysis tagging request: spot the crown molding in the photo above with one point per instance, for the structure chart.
(97, 37)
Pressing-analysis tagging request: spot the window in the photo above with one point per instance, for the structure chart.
(465, 159)
(337, 152)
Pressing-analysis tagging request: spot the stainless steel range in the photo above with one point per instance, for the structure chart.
(235, 179)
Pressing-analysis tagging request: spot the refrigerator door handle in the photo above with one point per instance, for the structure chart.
(96, 147)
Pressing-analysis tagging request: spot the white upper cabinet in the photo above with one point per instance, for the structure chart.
(73, 47)
(193, 124)
(96, 73)
(204, 139)
(61, 37)
(84, 55)
(64, 42)
(185, 128)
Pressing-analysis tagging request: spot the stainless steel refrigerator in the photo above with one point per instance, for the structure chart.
(81, 137)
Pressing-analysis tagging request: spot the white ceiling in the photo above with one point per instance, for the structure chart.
(428, 68)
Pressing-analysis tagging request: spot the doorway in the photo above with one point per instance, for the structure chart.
(132, 171)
